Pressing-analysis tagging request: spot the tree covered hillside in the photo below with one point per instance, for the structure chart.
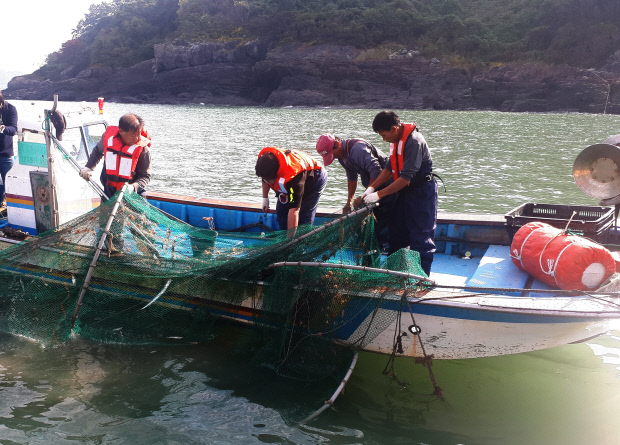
(582, 33)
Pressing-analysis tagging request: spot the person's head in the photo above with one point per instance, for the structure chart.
(267, 167)
(130, 125)
(387, 125)
(325, 146)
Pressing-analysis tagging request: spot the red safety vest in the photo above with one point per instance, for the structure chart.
(120, 159)
(292, 162)
(396, 151)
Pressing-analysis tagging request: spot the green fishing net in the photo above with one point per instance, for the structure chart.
(158, 280)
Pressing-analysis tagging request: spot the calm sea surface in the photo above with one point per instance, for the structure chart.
(203, 394)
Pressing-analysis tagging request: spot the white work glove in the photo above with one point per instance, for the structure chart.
(86, 173)
(373, 197)
(2, 127)
(265, 205)
(368, 191)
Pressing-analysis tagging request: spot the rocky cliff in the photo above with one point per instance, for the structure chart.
(5, 76)
(253, 73)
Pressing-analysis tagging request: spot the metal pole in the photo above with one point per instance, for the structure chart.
(93, 263)
(50, 166)
(346, 266)
(330, 402)
(329, 224)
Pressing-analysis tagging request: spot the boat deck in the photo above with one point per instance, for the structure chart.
(494, 269)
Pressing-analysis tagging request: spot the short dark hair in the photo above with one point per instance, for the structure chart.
(267, 166)
(384, 121)
(130, 123)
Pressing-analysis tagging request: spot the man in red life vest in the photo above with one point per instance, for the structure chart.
(298, 181)
(126, 154)
(413, 218)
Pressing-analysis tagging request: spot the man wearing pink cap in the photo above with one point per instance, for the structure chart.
(360, 159)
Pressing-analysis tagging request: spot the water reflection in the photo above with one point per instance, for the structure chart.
(107, 394)
(206, 394)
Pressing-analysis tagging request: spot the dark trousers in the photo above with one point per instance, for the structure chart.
(382, 215)
(309, 202)
(413, 221)
(6, 163)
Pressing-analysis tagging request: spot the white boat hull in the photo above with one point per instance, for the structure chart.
(448, 338)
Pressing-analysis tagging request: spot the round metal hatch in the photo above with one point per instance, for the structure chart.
(596, 171)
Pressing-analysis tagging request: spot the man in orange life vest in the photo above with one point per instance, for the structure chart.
(413, 218)
(126, 154)
(298, 181)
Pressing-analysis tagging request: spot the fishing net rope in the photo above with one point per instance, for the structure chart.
(158, 280)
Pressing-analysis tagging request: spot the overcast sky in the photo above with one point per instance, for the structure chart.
(31, 29)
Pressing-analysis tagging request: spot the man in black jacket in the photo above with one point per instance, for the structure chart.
(8, 128)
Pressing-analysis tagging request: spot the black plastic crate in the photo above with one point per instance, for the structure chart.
(591, 222)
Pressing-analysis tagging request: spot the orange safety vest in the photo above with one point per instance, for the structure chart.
(120, 159)
(292, 162)
(396, 152)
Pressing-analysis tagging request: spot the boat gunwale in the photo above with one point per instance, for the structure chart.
(442, 217)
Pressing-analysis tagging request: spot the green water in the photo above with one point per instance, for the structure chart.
(206, 394)
(489, 161)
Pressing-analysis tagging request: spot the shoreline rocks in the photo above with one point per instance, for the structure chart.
(254, 74)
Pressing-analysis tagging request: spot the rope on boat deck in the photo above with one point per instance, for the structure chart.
(594, 295)
(340, 389)
(536, 291)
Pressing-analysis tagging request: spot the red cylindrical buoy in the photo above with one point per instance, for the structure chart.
(568, 262)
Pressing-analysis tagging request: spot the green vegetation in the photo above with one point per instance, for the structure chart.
(577, 32)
